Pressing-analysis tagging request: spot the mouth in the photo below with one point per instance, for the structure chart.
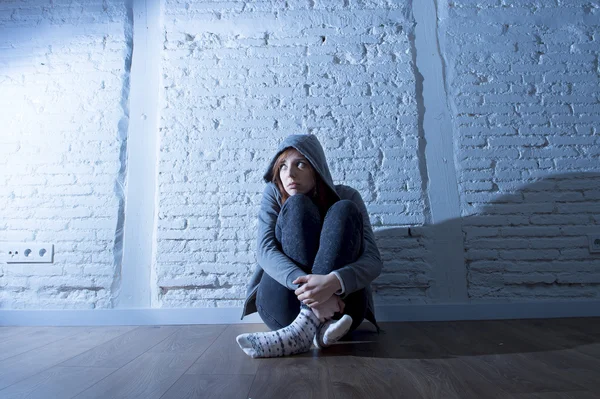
(292, 185)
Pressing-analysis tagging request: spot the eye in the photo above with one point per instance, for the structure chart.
(301, 164)
(282, 166)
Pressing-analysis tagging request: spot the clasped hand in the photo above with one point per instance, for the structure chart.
(326, 310)
(316, 288)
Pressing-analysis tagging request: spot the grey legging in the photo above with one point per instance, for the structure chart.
(317, 248)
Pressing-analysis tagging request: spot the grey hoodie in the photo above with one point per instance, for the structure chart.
(282, 269)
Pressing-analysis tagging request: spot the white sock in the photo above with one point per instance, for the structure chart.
(290, 340)
(331, 331)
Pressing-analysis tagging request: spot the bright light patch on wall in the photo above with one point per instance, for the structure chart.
(63, 82)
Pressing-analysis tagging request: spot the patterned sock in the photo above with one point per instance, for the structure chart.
(295, 338)
(331, 331)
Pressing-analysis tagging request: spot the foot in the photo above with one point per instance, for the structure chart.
(331, 331)
(290, 340)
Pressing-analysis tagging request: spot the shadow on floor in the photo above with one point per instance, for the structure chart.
(442, 340)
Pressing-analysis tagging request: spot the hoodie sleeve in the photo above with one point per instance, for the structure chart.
(359, 274)
(270, 258)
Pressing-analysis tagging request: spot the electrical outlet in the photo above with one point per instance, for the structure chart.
(27, 252)
(594, 240)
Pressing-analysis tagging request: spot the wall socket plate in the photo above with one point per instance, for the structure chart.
(594, 240)
(27, 252)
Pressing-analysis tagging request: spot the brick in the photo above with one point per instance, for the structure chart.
(533, 231)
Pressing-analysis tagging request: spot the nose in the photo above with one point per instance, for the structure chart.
(292, 172)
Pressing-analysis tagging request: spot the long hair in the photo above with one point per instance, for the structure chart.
(321, 194)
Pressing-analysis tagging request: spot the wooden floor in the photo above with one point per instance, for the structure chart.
(549, 358)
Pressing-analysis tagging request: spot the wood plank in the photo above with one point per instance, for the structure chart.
(556, 395)
(578, 367)
(564, 349)
(27, 364)
(95, 336)
(356, 377)
(407, 341)
(515, 373)
(366, 377)
(505, 350)
(531, 341)
(56, 382)
(123, 349)
(191, 386)
(446, 378)
(190, 339)
(437, 380)
(592, 350)
(301, 377)
(224, 356)
(580, 334)
(6, 332)
(589, 379)
(506, 338)
(468, 338)
(588, 325)
(35, 338)
(149, 376)
(549, 334)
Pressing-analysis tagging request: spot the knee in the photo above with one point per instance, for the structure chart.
(345, 209)
(300, 205)
(299, 201)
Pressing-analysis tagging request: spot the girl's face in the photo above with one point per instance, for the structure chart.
(296, 174)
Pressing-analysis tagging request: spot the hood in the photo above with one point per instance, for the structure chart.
(309, 146)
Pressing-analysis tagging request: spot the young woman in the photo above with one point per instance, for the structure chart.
(316, 256)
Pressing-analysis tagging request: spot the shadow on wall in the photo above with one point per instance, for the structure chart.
(525, 246)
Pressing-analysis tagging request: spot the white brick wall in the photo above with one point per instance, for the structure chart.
(522, 81)
(525, 83)
(62, 76)
(238, 78)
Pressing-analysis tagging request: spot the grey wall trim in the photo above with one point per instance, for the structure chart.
(441, 312)
(442, 188)
(488, 311)
(138, 236)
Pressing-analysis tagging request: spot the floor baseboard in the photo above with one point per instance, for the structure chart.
(418, 312)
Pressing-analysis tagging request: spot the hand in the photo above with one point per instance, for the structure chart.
(327, 309)
(317, 288)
